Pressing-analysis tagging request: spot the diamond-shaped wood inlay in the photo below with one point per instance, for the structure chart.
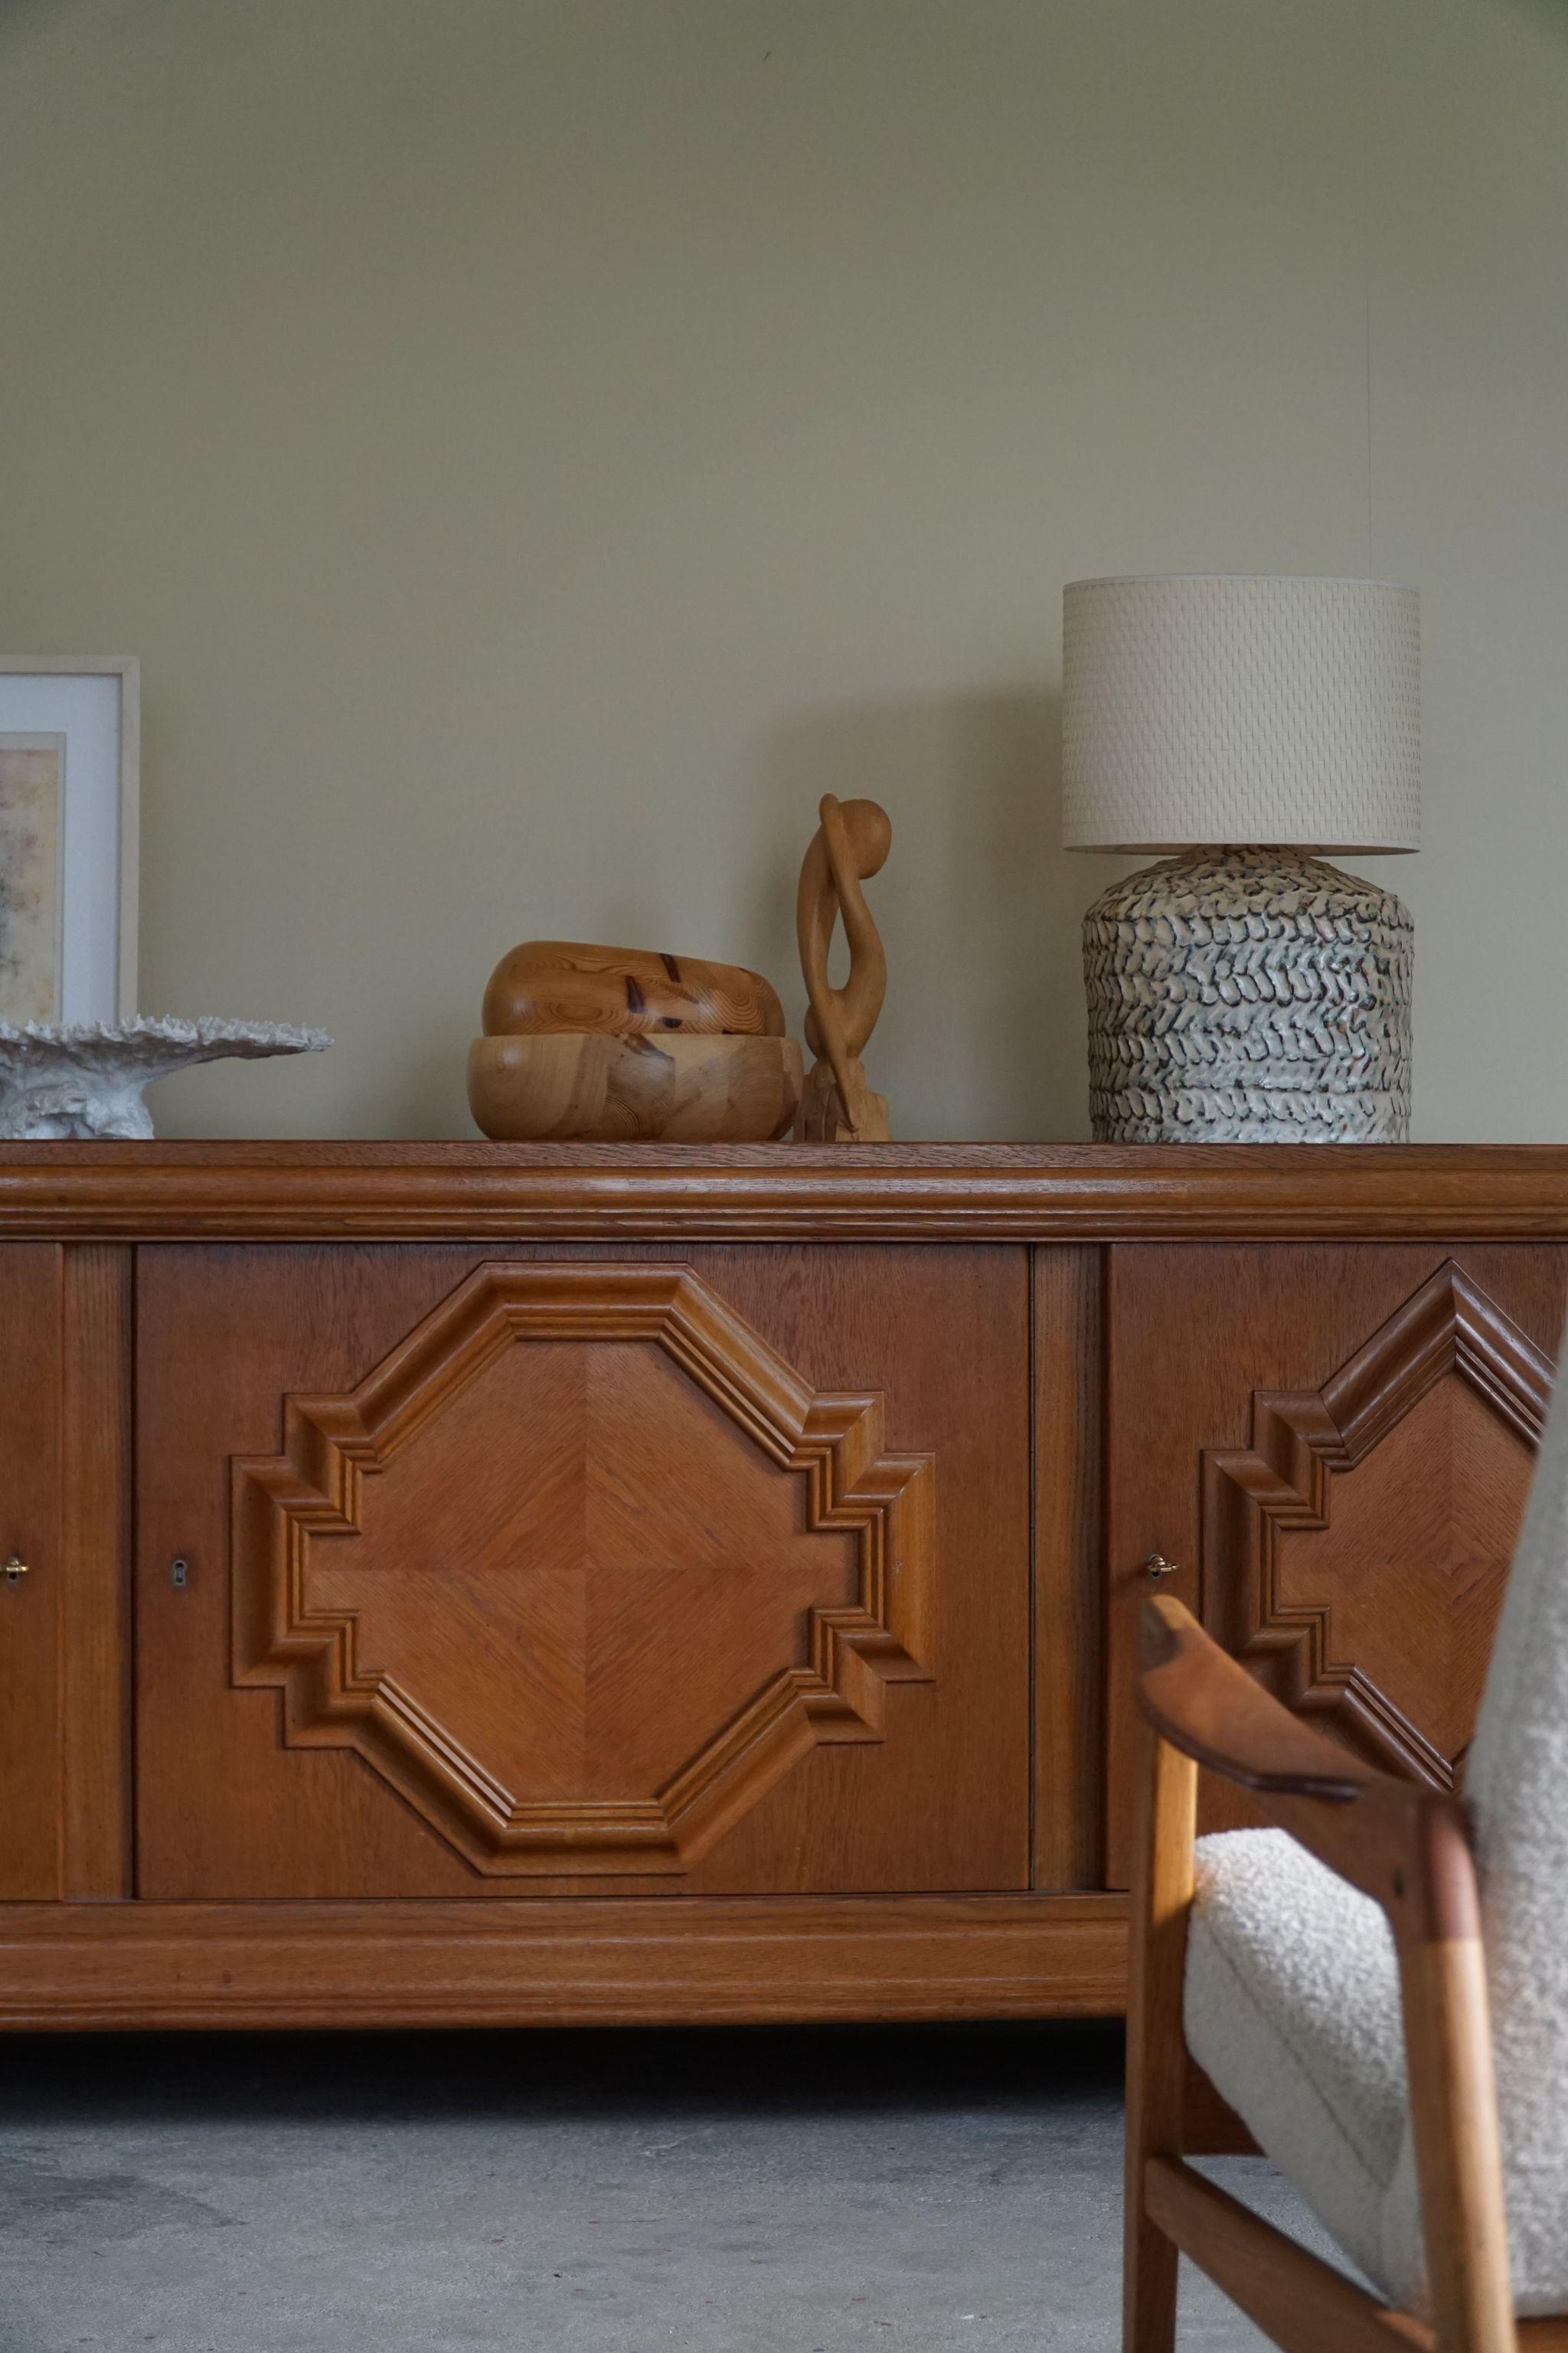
(582, 1569)
(1355, 1554)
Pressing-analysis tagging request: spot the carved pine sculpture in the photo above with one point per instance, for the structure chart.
(848, 847)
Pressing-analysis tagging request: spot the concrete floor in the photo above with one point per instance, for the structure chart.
(790, 2192)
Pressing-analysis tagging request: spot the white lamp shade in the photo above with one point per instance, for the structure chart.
(1201, 708)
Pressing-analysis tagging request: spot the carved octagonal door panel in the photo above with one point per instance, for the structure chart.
(1354, 1555)
(1334, 1446)
(541, 1571)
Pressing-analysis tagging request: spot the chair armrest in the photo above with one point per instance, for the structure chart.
(1399, 1841)
(1205, 1704)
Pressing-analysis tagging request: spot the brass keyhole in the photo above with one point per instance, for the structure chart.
(1158, 1565)
(15, 1567)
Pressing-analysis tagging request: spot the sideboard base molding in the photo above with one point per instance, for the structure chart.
(602, 1962)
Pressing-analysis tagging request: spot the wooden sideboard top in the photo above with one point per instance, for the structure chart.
(887, 1192)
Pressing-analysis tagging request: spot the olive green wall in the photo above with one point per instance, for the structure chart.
(537, 446)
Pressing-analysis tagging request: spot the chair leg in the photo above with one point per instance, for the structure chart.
(1457, 2160)
(1156, 2047)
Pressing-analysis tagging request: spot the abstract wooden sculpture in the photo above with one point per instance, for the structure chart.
(626, 1045)
(849, 846)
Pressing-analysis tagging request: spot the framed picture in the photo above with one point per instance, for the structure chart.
(68, 784)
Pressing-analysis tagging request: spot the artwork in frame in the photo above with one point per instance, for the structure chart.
(69, 777)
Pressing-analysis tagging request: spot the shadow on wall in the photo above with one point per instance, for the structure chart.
(984, 1031)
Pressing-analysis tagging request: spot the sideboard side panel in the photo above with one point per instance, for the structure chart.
(1067, 1416)
(95, 1555)
(31, 1603)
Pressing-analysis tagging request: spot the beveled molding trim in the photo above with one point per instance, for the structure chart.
(890, 1192)
(282, 1502)
(1301, 1440)
(616, 1961)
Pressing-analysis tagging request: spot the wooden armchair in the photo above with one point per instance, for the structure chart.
(1349, 2038)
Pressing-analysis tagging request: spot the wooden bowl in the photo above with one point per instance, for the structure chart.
(550, 985)
(586, 1086)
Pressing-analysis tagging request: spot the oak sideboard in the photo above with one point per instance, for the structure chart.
(461, 1583)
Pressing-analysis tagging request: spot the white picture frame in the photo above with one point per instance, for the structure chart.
(87, 713)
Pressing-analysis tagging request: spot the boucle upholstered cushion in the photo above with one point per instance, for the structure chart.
(1292, 2010)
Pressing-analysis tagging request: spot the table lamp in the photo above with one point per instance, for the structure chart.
(1242, 991)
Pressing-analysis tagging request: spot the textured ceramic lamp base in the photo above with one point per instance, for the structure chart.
(1249, 997)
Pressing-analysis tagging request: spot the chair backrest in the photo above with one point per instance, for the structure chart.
(1516, 1792)
(1516, 1780)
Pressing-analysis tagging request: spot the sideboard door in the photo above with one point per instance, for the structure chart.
(549, 1570)
(1333, 1446)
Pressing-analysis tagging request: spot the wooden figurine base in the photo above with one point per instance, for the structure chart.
(822, 1119)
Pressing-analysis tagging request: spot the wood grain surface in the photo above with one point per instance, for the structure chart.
(95, 1555)
(476, 1190)
(33, 1617)
(539, 1569)
(580, 1083)
(1068, 1374)
(1276, 1366)
(704, 1570)
(1362, 1580)
(611, 1961)
(631, 992)
(851, 845)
